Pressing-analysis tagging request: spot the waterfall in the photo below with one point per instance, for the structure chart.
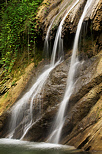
(55, 135)
(18, 110)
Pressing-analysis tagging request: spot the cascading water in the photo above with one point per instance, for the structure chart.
(55, 135)
(18, 111)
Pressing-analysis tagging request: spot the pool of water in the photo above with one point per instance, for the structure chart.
(10, 146)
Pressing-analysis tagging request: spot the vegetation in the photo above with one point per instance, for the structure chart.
(18, 31)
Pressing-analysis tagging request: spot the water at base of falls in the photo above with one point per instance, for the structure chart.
(11, 146)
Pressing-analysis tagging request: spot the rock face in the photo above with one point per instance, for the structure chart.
(83, 124)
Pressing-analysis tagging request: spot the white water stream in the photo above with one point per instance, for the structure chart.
(55, 135)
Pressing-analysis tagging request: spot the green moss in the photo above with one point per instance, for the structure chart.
(6, 94)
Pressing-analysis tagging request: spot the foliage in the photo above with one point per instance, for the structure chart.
(18, 30)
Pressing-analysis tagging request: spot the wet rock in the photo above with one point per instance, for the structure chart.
(45, 108)
(40, 130)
